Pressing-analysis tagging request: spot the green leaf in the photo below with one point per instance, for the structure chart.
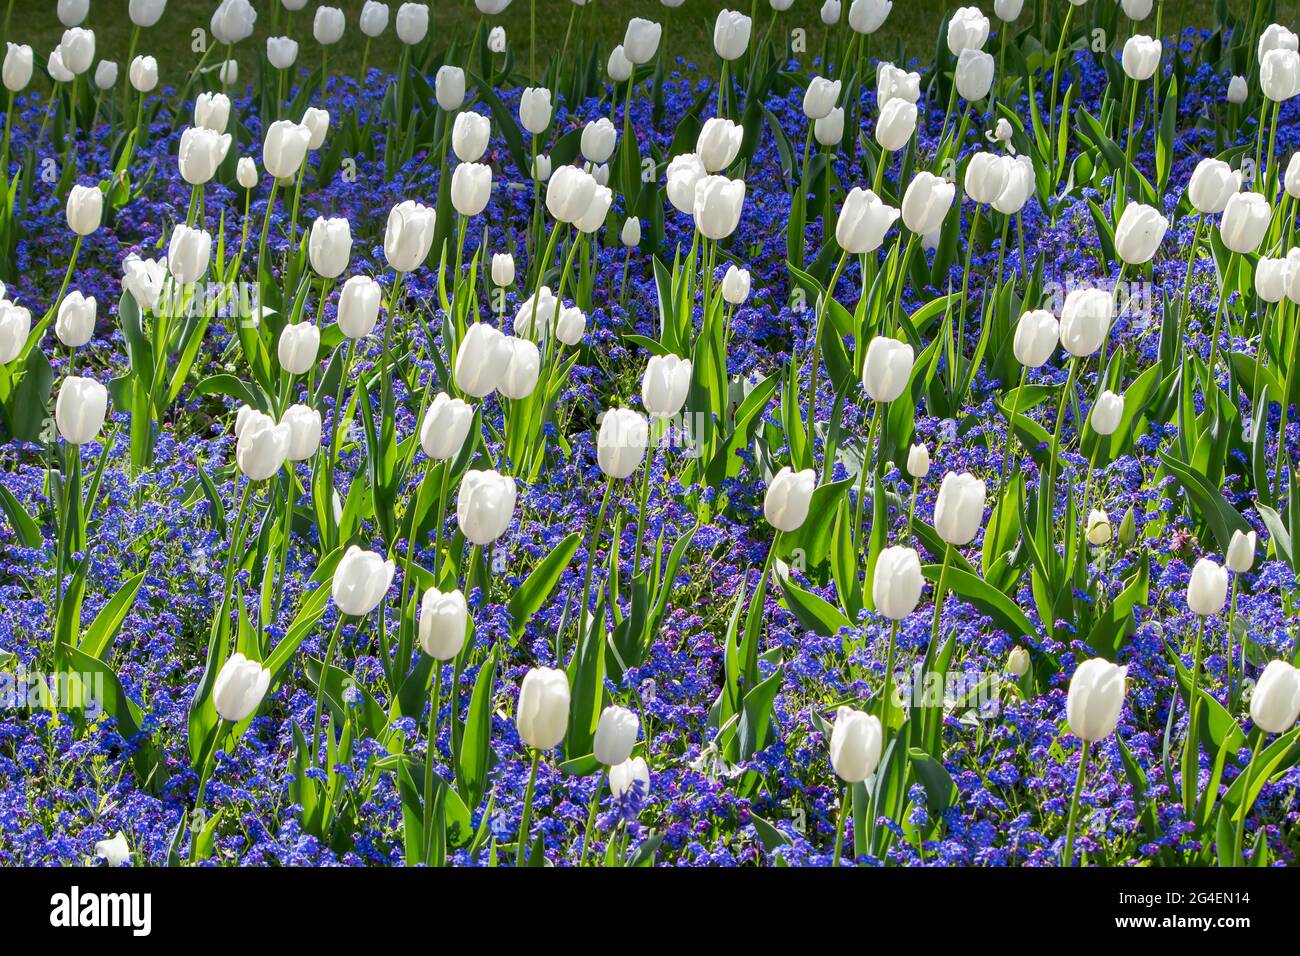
(532, 594)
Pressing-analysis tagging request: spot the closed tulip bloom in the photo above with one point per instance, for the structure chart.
(330, 246)
(1085, 320)
(469, 136)
(359, 306)
(201, 153)
(18, 67)
(535, 109)
(446, 425)
(1238, 91)
(143, 74)
(239, 688)
(471, 188)
(867, 16)
(641, 40)
(496, 41)
(602, 198)
(959, 509)
(1241, 551)
(284, 148)
(1141, 57)
(731, 34)
(665, 384)
(829, 130)
(412, 23)
(735, 285)
(536, 314)
(887, 368)
(968, 29)
(1213, 183)
(1245, 221)
(317, 122)
(1018, 661)
(1107, 413)
(328, 25)
(894, 83)
(522, 367)
(683, 174)
(360, 581)
(718, 143)
(1275, 701)
(444, 621)
(1019, 186)
(298, 347)
(569, 193)
(856, 741)
(1291, 180)
(896, 587)
(1136, 9)
(918, 461)
(1279, 74)
(863, 222)
(15, 327)
(282, 52)
(541, 168)
(1291, 275)
(449, 87)
(1007, 10)
(80, 408)
(1095, 699)
(485, 506)
(212, 112)
(143, 278)
(58, 72)
(718, 204)
(481, 360)
(246, 172)
(503, 269)
(621, 443)
(627, 775)
(896, 125)
(188, 254)
(598, 140)
(409, 235)
(1037, 335)
(1139, 233)
(1276, 37)
(75, 323)
(374, 18)
(1270, 279)
(233, 21)
(926, 202)
(570, 325)
(986, 177)
(304, 431)
(820, 97)
(630, 234)
(114, 852)
(542, 715)
(261, 446)
(974, 75)
(619, 67)
(85, 209)
(146, 13)
(106, 75)
(77, 50)
(1208, 588)
(228, 72)
(830, 12)
(788, 497)
(1098, 527)
(616, 733)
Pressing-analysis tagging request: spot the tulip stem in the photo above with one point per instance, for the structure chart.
(1005, 463)
(817, 341)
(591, 817)
(1191, 748)
(1056, 84)
(1218, 319)
(1239, 835)
(840, 820)
(872, 432)
(1074, 803)
(1066, 394)
(591, 557)
(522, 842)
(887, 691)
(434, 705)
(958, 347)
(320, 687)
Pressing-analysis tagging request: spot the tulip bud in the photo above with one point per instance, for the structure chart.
(496, 41)
(317, 122)
(503, 269)
(1207, 590)
(735, 285)
(469, 136)
(1139, 233)
(1098, 528)
(896, 587)
(535, 110)
(330, 246)
(1127, 529)
(80, 408)
(246, 172)
(360, 581)
(718, 143)
(641, 40)
(1095, 699)
(974, 77)
(449, 87)
(1141, 57)
(788, 497)
(239, 688)
(856, 741)
(896, 125)
(444, 621)
(959, 509)
(628, 775)
(1237, 90)
(328, 25)
(1085, 320)
(1136, 9)
(968, 29)
(619, 67)
(485, 506)
(75, 323)
(570, 325)
(85, 209)
(598, 140)
(665, 384)
(212, 112)
(409, 234)
(863, 222)
(894, 83)
(146, 13)
(630, 235)
(15, 327)
(299, 345)
(887, 368)
(542, 715)
(481, 360)
(918, 461)
(718, 204)
(1246, 218)
(926, 202)
(471, 188)
(282, 52)
(1107, 413)
(1037, 335)
(188, 254)
(616, 733)
(228, 72)
(106, 75)
(1292, 178)
(233, 21)
(358, 306)
(261, 445)
(18, 67)
(284, 148)
(1212, 184)
(1241, 551)
(1275, 701)
(374, 18)
(829, 130)
(413, 24)
(445, 427)
(820, 97)
(683, 174)
(867, 16)
(621, 444)
(143, 74)
(830, 12)
(1018, 661)
(731, 34)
